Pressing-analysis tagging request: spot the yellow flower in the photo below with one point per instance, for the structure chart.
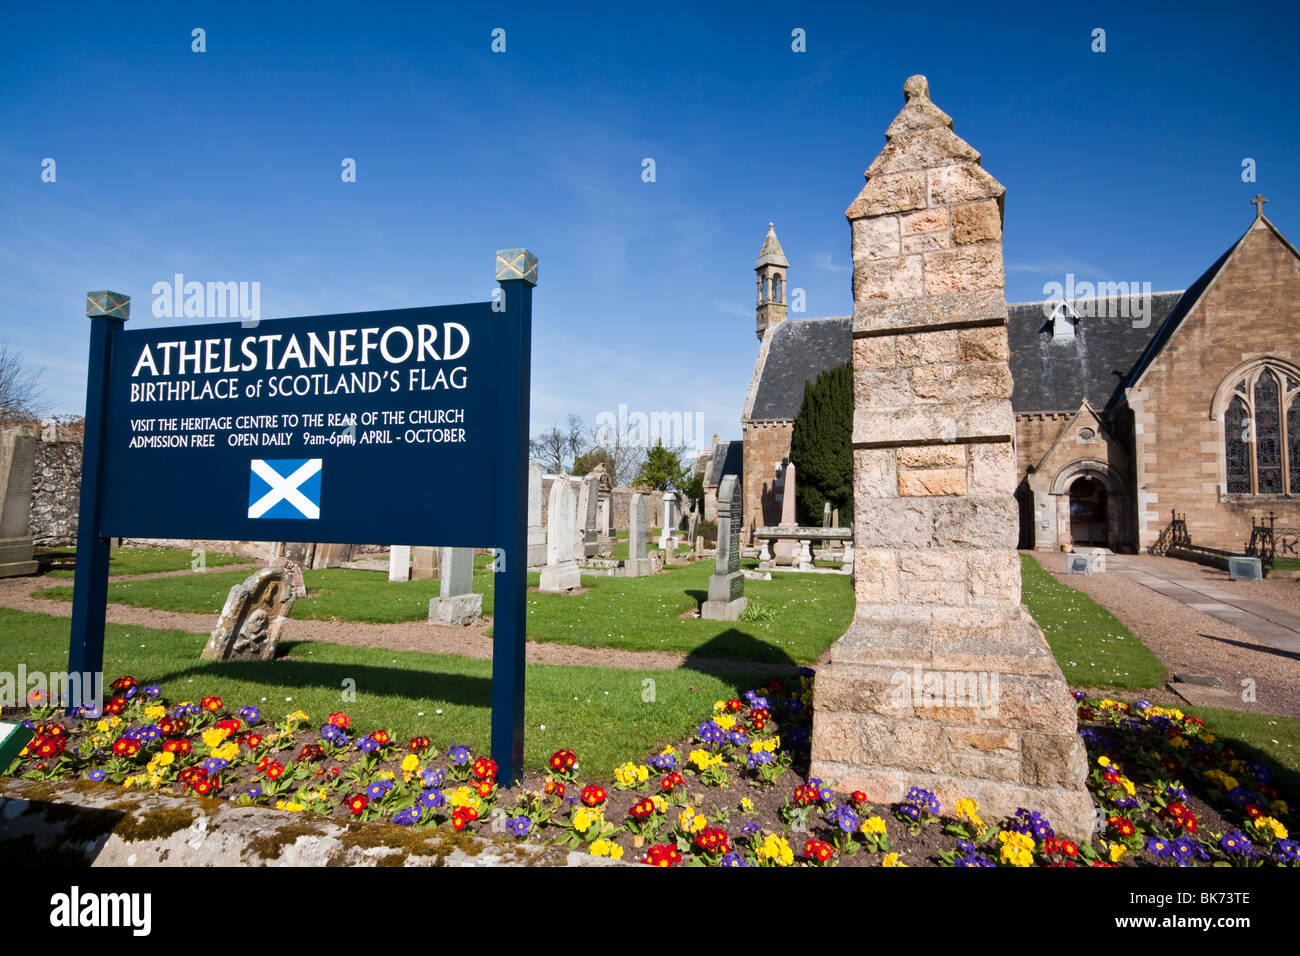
(129, 781)
(1268, 823)
(463, 797)
(582, 819)
(386, 775)
(227, 751)
(629, 774)
(156, 712)
(287, 805)
(1179, 742)
(1103, 760)
(775, 851)
(685, 817)
(1117, 852)
(661, 804)
(725, 721)
(891, 859)
(410, 763)
(213, 737)
(102, 726)
(1016, 857)
(298, 715)
(606, 848)
(758, 746)
(704, 760)
(873, 826)
(1279, 808)
(747, 805)
(719, 706)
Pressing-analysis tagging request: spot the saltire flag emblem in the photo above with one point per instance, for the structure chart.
(284, 488)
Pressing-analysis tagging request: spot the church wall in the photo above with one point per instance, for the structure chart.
(1252, 309)
(766, 445)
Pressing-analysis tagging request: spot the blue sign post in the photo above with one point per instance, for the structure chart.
(304, 429)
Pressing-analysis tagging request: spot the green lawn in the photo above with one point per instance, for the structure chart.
(630, 613)
(1264, 735)
(151, 561)
(577, 705)
(1093, 648)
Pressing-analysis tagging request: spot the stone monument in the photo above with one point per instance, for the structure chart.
(786, 550)
(666, 532)
(399, 562)
(584, 532)
(726, 601)
(424, 563)
(561, 571)
(937, 576)
(536, 533)
(637, 564)
(456, 602)
(17, 463)
(253, 618)
(295, 575)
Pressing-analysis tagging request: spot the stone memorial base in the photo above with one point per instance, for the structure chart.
(16, 558)
(560, 577)
(636, 567)
(463, 609)
(724, 610)
(536, 546)
(1003, 732)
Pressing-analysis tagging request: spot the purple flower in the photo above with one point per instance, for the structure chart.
(1160, 847)
(732, 859)
(97, 775)
(152, 690)
(432, 798)
(519, 825)
(459, 755)
(407, 817)
(368, 745)
(433, 777)
(254, 791)
(250, 714)
(378, 789)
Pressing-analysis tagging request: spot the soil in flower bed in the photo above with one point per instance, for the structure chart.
(1171, 792)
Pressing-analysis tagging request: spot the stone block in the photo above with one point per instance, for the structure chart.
(887, 523)
(875, 238)
(724, 610)
(965, 269)
(992, 468)
(926, 220)
(896, 278)
(932, 456)
(984, 306)
(925, 242)
(457, 610)
(991, 522)
(927, 348)
(961, 183)
(1002, 767)
(875, 473)
(1052, 760)
(932, 481)
(890, 193)
(921, 424)
(875, 576)
(994, 577)
(978, 222)
(875, 353)
(561, 576)
(933, 146)
(983, 344)
(984, 739)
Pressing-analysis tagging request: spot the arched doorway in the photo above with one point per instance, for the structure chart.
(1088, 524)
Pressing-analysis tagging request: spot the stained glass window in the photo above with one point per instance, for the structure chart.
(1268, 435)
(1236, 430)
(1293, 442)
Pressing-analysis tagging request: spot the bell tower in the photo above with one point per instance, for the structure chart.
(771, 268)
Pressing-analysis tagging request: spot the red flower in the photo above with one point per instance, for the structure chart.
(358, 803)
(381, 737)
(231, 724)
(311, 752)
(642, 809)
(484, 788)
(1253, 811)
(670, 782)
(212, 704)
(1122, 826)
(273, 769)
(818, 850)
(734, 705)
(713, 841)
(181, 746)
(662, 854)
(115, 705)
(341, 720)
(125, 747)
(251, 741)
(484, 768)
(463, 815)
(172, 726)
(123, 683)
(593, 796)
(858, 797)
(419, 744)
(555, 787)
(206, 785)
(563, 761)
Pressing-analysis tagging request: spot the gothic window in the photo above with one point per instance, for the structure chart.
(1261, 434)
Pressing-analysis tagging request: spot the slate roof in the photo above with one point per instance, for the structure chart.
(800, 350)
(1056, 375)
(727, 460)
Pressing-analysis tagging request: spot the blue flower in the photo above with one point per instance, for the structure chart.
(215, 764)
(368, 745)
(152, 690)
(97, 775)
(1288, 851)
(732, 859)
(826, 795)
(1159, 846)
(433, 777)
(254, 791)
(738, 739)
(760, 759)
(519, 825)
(845, 818)
(710, 733)
(333, 734)
(185, 710)
(130, 692)
(1078, 695)
(664, 762)
(749, 830)
(1238, 843)
(250, 714)
(432, 798)
(459, 755)
(150, 732)
(377, 789)
(973, 860)
(407, 817)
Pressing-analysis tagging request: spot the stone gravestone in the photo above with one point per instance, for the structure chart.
(456, 602)
(669, 521)
(637, 564)
(693, 528)
(253, 618)
(727, 599)
(588, 503)
(786, 550)
(17, 463)
(536, 533)
(424, 563)
(295, 575)
(937, 576)
(561, 571)
(399, 562)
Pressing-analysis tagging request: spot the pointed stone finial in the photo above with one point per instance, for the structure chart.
(916, 87)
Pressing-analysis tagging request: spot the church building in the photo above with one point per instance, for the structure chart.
(1128, 404)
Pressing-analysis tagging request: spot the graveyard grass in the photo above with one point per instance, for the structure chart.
(1091, 646)
(638, 614)
(143, 560)
(577, 705)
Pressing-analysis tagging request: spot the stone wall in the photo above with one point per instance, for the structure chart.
(56, 489)
(1250, 311)
(767, 444)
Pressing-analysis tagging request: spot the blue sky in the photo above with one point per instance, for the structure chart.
(225, 165)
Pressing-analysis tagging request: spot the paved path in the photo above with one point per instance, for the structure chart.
(1266, 623)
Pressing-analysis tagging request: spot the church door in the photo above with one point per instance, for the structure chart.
(1088, 512)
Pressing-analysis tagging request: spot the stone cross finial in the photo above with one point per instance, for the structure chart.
(1258, 203)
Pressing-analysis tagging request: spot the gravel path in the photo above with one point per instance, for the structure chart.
(405, 636)
(1188, 640)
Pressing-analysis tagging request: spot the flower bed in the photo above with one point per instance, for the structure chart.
(1169, 793)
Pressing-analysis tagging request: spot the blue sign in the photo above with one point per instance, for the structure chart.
(408, 426)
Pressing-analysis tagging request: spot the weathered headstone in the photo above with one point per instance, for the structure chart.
(456, 602)
(399, 562)
(424, 563)
(669, 521)
(536, 533)
(727, 601)
(561, 571)
(253, 618)
(17, 463)
(585, 532)
(937, 576)
(693, 526)
(295, 575)
(637, 564)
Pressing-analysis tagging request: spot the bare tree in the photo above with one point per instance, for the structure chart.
(576, 439)
(550, 448)
(20, 387)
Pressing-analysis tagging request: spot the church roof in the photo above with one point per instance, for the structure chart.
(771, 254)
(798, 351)
(1053, 374)
(727, 460)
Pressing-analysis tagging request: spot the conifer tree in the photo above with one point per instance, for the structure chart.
(821, 447)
